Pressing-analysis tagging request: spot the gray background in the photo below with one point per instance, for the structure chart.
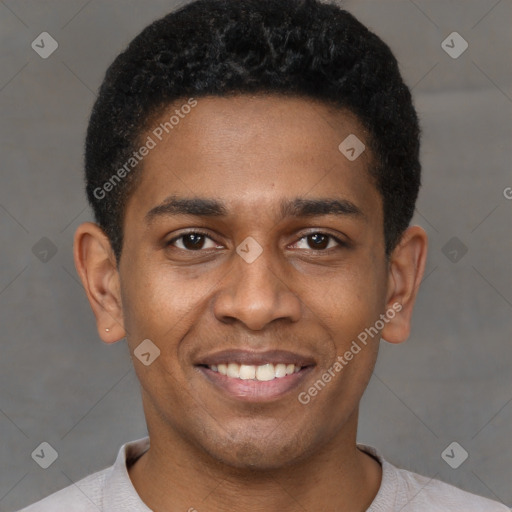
(450, 381)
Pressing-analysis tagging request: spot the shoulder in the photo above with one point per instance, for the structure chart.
(86, 495)
(410, 492)
(108, 489)
(434, 495)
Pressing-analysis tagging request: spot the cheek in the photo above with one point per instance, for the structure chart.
(354, 312)
(147, 301)
(353, 302)
(160, 302)
(357, 339)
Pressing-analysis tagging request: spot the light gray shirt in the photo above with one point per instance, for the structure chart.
(111, 490)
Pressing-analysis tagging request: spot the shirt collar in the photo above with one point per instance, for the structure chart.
(119, 493)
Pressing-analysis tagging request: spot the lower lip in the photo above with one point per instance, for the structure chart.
(254, 390)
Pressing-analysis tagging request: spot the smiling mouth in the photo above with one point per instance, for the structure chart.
(253, 376)
(262, 373)
(255, 383)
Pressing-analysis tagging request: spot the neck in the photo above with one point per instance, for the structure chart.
(174, 476)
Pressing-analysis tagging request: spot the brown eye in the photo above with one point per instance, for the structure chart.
(193, 241)
(319, 242)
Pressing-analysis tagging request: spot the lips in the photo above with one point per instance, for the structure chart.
(263, 372)
(255, 376)
(246, 357)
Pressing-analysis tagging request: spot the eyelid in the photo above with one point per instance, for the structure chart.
(322, 231)
(196, 231)
(300, 236)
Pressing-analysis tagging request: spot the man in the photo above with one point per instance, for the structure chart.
(253, 169)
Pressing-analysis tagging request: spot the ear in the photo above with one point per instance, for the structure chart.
(96, 265)
(406, 268)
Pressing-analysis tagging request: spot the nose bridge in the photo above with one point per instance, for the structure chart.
(257, 277)
(255, 293)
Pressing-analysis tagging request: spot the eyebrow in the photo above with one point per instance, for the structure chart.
(298, 207)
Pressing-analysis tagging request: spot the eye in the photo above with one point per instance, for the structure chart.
(320, 241)
(192, 241)
(198, 240)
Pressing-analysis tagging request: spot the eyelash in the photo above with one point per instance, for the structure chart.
(207, 235)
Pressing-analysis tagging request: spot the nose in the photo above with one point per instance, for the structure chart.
(257, 293)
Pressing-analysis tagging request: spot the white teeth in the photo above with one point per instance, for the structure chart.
(264, 372)
(280, 370)
(233, 370)
(247, 371)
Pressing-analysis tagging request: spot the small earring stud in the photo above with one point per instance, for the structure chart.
(107, 329)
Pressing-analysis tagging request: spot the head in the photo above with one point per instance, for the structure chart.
(253, 169)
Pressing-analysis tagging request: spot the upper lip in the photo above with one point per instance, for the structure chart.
(255, 358)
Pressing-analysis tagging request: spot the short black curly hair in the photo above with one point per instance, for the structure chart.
(297, 48)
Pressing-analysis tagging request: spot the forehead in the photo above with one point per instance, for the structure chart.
(254, 150)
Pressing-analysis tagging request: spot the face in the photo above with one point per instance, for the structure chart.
(273, 270)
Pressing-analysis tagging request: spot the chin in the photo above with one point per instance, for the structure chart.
(257, 453)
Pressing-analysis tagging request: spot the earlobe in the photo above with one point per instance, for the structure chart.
(406, 269)
(97, 268)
